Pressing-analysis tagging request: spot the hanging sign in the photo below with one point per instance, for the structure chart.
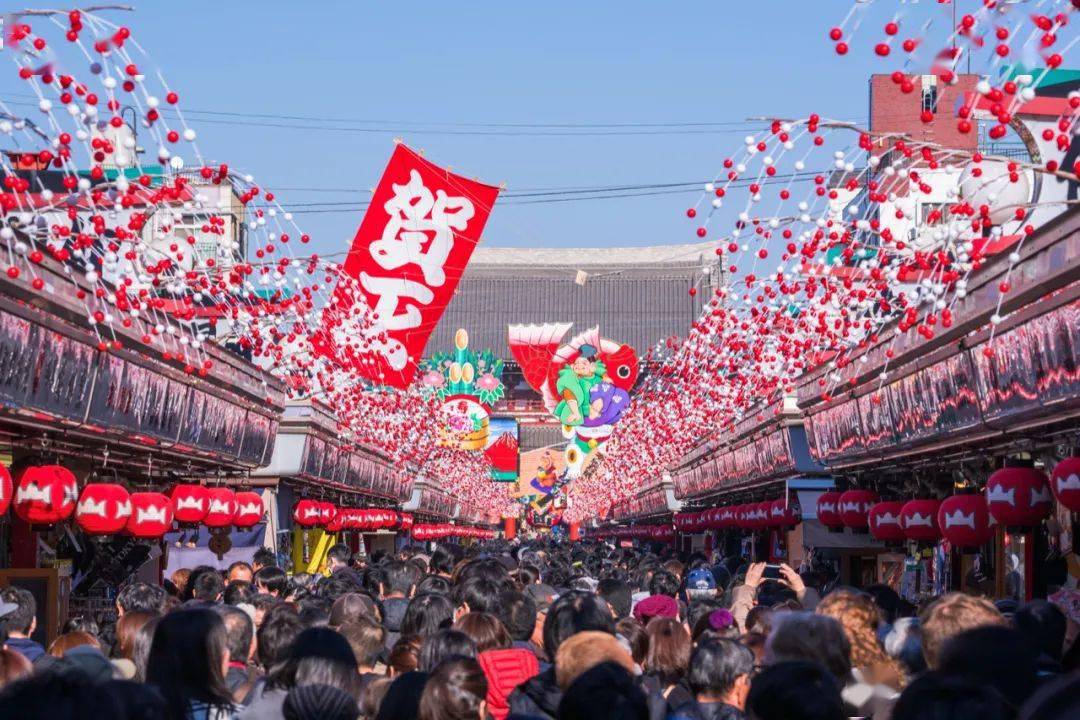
(406, 260)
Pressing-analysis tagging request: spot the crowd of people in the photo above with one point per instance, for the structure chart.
(538, 631)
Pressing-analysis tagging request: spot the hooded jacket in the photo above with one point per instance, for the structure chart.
(505, 670)
(537, 697)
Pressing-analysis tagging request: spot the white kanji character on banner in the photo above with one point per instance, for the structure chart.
(414, 213)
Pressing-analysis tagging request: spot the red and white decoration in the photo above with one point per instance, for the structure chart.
(1019, 497)
(190, 503)
(920, 520)
(103, 508)
(1065, 483)
(45, 494)
(884, 521)
(406, 260)
(965, 520)
(249, 509)
(828, 510)
(7, 489)
(151, 515)
(220, 508)
(855, 506)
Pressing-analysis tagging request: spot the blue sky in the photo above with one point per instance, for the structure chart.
(486, 62)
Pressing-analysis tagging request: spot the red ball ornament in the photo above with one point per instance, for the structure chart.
(1019, 497)
(45, 494)
(884, 521)
(855, 506)
(919, 519)
(151, 515)
(307, 513)
(103, 508)
(221, 507)
(190, 503)
(965, 520)
(249, 509)
(828, 510)
(7, 488)
(1065, 483)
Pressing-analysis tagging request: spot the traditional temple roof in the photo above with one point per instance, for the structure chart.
(637, 295)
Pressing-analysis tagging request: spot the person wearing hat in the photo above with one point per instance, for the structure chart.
(19, 611)
(700, 584)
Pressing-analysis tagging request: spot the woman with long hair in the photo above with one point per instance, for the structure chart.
(455, 690)
(667, 660)
(876, 679)
(187, 662)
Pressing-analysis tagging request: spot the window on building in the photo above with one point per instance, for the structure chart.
(929, 98)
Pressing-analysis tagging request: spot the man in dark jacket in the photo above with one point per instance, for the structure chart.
(21, 622)
(338, 558)
(401, 578)
(571, 613)
(719, 677)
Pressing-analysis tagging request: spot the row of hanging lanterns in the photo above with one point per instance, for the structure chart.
(309, 513)
(437, 531)
(49, 494)
(1014, 497)
(778, 513)
(657, 533)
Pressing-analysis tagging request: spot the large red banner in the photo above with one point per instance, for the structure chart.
(405, 262)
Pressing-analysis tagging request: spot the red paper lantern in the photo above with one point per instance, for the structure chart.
(855, 507)
(151, 515)
(103, 508)
(307, 513)
(919, 519)
(7, 488)
(828, 510)
(337, 522)
(1064, 482)
(221, 507)
(727, 517)
(45, 494)
(327, 512)
(406, 522)
(190, 503)
(761, 514)
(965, 520)
(1019, 497)
(249, 509)
(785, 512)
(884, 521)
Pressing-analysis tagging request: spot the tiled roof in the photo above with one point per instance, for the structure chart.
(638, 296)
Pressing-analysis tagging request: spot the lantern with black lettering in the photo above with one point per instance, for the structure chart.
(965, 520)
(249, 509)
(190, 503)
(884, 519)
(919, 519)
(828, 510)
(103, 508)
(1019, 497)
(45, 494)
(151, 515)
(855, 507)
(1064, 482)
(220, 508)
